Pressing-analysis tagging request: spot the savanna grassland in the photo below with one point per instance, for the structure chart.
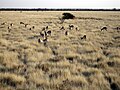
(64, 61)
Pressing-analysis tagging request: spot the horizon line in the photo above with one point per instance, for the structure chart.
(51, 8)
(57, 9)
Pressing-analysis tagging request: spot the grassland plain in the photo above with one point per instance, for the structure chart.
(64, 62)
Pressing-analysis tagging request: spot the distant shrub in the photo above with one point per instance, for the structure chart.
(68, 16)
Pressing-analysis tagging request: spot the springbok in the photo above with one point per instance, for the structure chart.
(30, 28)
(3, 23)
(21, 22)
(45, 40)
(42, 34)
(49, 32)
(46, 27)
(71, 27)
(77, 28)
(11, 24)
(43, 29)
(40, 41)
(45, 33)
(33, 27)
(84, 37)
(104, 28)
(117, 28)
(26, 25)
(66, 33)
(62, 28)
(8, 27)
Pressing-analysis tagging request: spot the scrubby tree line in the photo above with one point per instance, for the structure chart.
(46, 9)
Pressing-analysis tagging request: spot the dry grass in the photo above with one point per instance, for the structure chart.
(64, 62)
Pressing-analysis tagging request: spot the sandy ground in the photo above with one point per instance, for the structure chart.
(65, 61)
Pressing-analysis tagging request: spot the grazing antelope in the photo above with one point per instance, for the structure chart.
(46, 27)
(66, 33)
(43, 29)
(3, 23)
(84, 37)
(11, 24)
(45, 33)
(49, 32)
(26, 25)
(62, 28)
(104, 28)
(8, 27)
(21, 22)
(9, 30)
(40, 41)
(45, 40)
(42, 34)
(33, 27)
(71, 27)
(118, 28)
(77, 28)
(30, 28)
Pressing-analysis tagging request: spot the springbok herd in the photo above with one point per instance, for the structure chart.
(38, 51)
(45, 32)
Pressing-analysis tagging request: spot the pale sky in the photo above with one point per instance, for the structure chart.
(60, 4)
